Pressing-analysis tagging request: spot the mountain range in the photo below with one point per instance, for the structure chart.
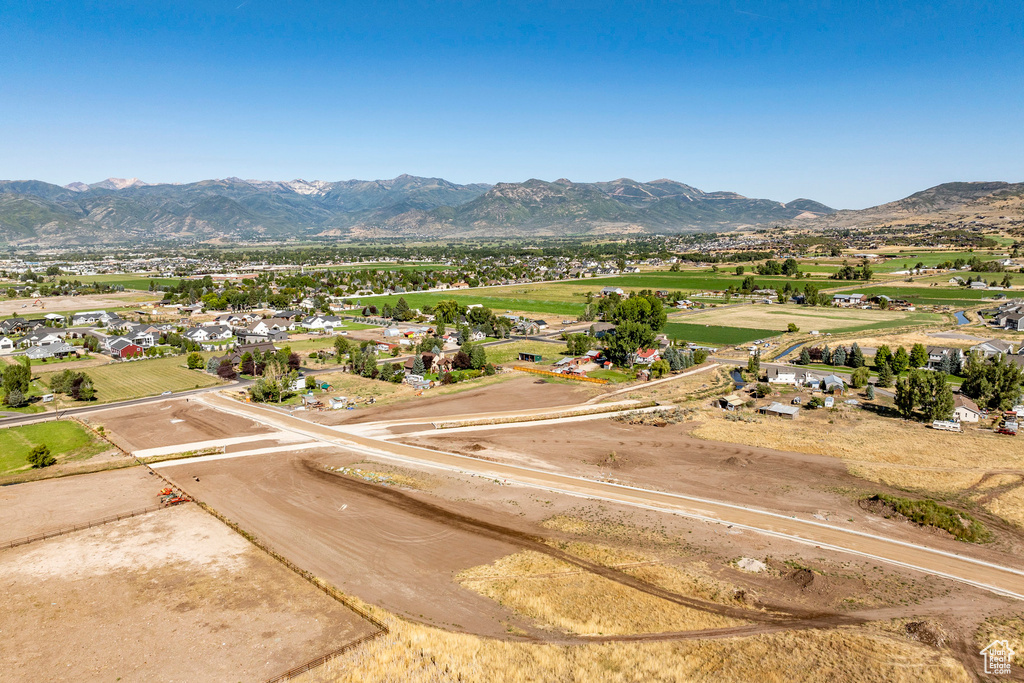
(120, 211)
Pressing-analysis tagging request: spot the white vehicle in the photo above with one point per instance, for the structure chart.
(946, 425)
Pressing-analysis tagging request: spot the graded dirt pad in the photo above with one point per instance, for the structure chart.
(386, 556)
(89, 302)
(171, 596)
(172, 422)
(518, 393)
(52, 504)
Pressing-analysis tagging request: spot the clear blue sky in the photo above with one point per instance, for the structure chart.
(849, 103)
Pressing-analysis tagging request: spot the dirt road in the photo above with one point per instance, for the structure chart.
(998, 578)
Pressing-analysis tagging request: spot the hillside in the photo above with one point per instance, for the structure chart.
(129, 210)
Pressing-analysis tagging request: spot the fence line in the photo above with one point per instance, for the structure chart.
(535, 371)
(79, 527)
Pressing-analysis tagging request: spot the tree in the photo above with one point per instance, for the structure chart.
(762, 390)
(577, 344)
(856, 359)
(748, 284)
(247, 366)
(195, 361)
(478, 357)
(628, 338)
(446, 311)
(225, 370)
(792, 327)
(918, 356)
(870, 392)
(40, 457)
(641, 308)
(839, 357)
(417, 366)
(883, 356)
(402, 311)
(462, 361)
(15, 398)
(310, 382)
(884, 376)
(905, 398)
(17, 376)
(900, 361)
(659, 368)
(340, 347)
(805, 356)
(994, 383)
(699, 356)
(754, 364)
(212, 364)
(860, 377)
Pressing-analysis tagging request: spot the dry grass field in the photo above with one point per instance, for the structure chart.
(559, 595)
(806, 318)
(898, 453)
(420, 654)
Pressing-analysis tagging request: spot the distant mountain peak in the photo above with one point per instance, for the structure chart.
(118, 184)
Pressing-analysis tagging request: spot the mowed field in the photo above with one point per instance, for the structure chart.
(826, 319)
(66, 440)
(126, 380)
(708, 333)
(935, 296)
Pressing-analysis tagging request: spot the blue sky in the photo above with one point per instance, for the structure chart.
(849, 103)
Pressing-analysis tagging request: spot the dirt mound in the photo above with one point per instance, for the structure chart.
(926, 632)
(476, 448)
(802, 578)
(735, 461)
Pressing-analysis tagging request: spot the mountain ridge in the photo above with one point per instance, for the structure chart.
(129, 210)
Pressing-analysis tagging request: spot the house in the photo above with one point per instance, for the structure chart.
(965, 410)
(777, 409)
(647, 356)
(321, 323)
(849, 299)
(235, 357)
(123, 348)
(937, 355)
(208, 333)
(58, 350)
(778, 375)
(608, 291)
(6, 343)
(337, 403)
(993, 347)
(979, 284)
(43, 336)
(94, 318)
(541, 324)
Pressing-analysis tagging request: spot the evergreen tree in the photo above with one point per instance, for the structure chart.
(826, 355)
(754, 364)
(905, 399)
(417, 366)
(856, 359)
(805, 356)
(885, 376)
(883, 356)
(870, 392)
(839, 357)
(918, 356)
(900, 361)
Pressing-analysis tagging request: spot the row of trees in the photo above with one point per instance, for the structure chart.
(925, 391)
(995, 383)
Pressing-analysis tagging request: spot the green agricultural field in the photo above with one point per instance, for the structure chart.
(934, 296)
(66, 440)
(498, 299)
(135, 379)
(910, 258)
(715, 334)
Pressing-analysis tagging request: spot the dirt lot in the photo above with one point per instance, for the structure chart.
(172, 595)
(667, 458)
(58, 304)
(518, 392)
(42, 506)
(171, 422)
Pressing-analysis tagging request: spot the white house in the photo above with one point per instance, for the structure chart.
(6, 344)
(782, 376)
(965, 410)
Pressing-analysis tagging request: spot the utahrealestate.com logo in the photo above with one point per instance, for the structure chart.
(997, 657)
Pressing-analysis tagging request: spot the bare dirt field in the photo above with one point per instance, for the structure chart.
(516, 393)
(172, 595)
(89, 302)
(171, 422)
(43, 506)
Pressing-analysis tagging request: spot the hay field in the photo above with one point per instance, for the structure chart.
(149, 377)
(826, 319)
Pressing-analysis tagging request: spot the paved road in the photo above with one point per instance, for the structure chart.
(1000, 579)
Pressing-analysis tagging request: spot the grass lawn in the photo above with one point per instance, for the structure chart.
(518, 298)
(807, 318)
(66, 440)
(509, 353)
(123, 381)
(716, 334)
(929, 258)
(613, 375)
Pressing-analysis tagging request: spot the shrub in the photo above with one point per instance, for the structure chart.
(40, 457)
(927, 512)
